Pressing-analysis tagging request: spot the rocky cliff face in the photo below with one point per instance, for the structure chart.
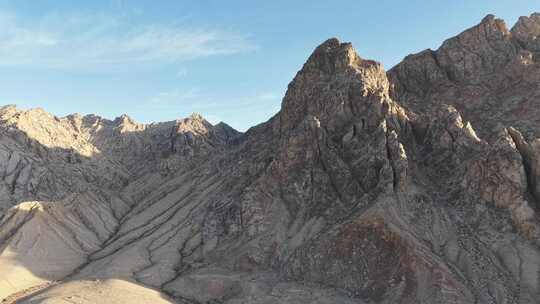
(488, 72)
(416, 185)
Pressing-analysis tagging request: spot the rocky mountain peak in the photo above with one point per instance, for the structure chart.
(477, 51)
(486, 68)
(125, 124)
(491, 21)
(8, 108)
(332, 56)
(333, 82)
(196, 117)
(226, 132)
(527, 32)
(195, 123)
(123, 119)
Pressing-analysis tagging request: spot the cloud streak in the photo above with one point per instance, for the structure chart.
(98, 41)
(198, 100)
(246, 110)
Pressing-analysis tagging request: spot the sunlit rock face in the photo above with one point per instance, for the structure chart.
(416, 185)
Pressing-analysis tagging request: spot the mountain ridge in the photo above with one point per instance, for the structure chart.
(416, 185)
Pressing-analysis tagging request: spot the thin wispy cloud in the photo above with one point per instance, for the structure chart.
(255, 107)
(199, 99)
(177, 98)
(97, 41)
(181, 73)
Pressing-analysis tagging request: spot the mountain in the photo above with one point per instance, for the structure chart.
(416, 185)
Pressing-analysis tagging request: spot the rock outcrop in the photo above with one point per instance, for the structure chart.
(416, 185)
(488, 72)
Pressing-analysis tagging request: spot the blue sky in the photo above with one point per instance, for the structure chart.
(228, 60)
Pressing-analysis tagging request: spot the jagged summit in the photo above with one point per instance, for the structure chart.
(92, 119)
(357, 76)
(226, 131)
(491, 20)
(490, 74)
(124, 119)
(332, 56)
(527, 32)
(196, 116)
(131, 146)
